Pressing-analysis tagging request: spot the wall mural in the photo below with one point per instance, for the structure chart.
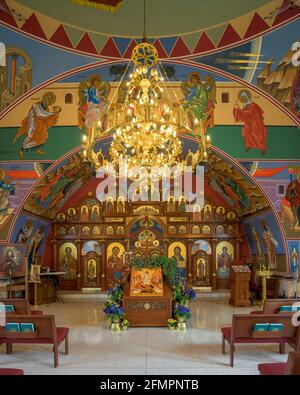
(294, 251)
(265, 240)
(57, 186)
(31, 232)
(280, 180)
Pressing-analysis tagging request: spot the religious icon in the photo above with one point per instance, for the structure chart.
(225, 256)
(61, 217)
(121, 206)
(25, 232)
(72, 231)
(11, 258)
(146, 282)
(294, 260)
(34, 245)
(72, 214)
(293, 197)
(92, 270)
(182, 205)
(92, 107)
(86, 231)
(201, 271)
(109, 230)
(68, 260)
(207, 213)
(196, 100)
(182, 229)
(171, 204)
(96, 230)
(115, 264)
(109, 205)
(195, 230)
(95, 214)
(120, 230)
(172, 230)
(206, 229)
(177, 251)
(35, 274)
(35, 126)
(220, 229)
(231, 216)
(220, 212)
(254, 131)
(61, 231)
(84, 214)
(271, 244)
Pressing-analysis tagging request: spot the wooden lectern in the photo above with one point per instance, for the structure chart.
(240, 277)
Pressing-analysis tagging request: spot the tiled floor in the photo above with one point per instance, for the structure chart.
(96, 350)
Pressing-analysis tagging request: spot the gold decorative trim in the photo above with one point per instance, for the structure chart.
(105, 7)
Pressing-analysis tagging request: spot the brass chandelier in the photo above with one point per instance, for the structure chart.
(146, 127)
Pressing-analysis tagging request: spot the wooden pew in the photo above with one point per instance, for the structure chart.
(11, 372)
(272, 306)
(291, 368)
(21, 306)
(241, 331)
(46, 332)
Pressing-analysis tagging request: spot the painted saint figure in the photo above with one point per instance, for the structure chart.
(293, 197)
(224, 260)
(254, 131)
(69, 264)
(34, 245)
(35, 126)
(115, 267)
(271, 244)
(180, 261)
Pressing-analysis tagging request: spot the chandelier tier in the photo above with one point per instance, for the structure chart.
(145, 128)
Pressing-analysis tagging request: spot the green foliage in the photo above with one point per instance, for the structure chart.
(168, 265)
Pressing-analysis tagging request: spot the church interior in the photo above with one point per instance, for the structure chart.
(149, 187)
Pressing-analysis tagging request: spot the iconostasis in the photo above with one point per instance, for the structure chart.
(48, 200)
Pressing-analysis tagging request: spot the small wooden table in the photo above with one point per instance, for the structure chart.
(148, 310)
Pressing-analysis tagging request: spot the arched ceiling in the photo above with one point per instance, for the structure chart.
(234, 188)
(163, 17)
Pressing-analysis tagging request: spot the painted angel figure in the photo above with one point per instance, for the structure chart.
(196, 99)
(93, 102)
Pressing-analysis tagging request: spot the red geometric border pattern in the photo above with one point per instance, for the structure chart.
(85, 45)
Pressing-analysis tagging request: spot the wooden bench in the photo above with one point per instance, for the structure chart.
(241, 331)
(11, 372)
(21, 306)
(291, 368)
(46, 332)
(272, 306)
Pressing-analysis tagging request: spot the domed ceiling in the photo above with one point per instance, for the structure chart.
(163, 17)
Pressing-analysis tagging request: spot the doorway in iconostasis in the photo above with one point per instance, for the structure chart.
(91, 262)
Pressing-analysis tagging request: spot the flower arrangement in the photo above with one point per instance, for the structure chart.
(182, 312)
(124, 324)
(113, 306)
(172, 323)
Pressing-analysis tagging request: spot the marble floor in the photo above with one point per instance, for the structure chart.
(152, 351)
